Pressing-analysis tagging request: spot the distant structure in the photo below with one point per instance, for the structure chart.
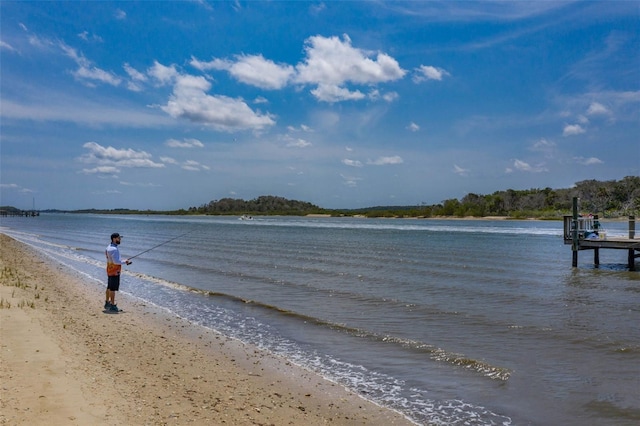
(585, 233)
(24, 213)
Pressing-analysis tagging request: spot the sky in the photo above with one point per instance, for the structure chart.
(169, 105)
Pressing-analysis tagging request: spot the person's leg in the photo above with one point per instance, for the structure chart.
(113, 288)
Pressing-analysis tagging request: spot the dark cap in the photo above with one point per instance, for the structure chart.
(115, 235)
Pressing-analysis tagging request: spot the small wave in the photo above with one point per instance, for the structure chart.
(434, 353)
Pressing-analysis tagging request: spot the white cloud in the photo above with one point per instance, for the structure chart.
(90, 37)
(597, 109)
(384, 161)
(302, 128)
(351, 163)
(526, 167)
(102, 170)
(163, 74)
(299, 143)
(254, 70)
(186, 143)
(548, 148)
(543, 145)
(109, 160)
(133, 73)
(194, 166)
(86, 72)
(331, 62)
(6, 46)
(168, 160)
(190, 101)
(136, 77)
(413, 127)
(390, 96)
(427, 72)
(333, 93)
(572, 130)
(582, 119)
(16, 187)
(350, 181)
(460, 171)
(96, 74)
(120, 14)
(587, 161)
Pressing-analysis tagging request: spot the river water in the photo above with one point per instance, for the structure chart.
(447, 321)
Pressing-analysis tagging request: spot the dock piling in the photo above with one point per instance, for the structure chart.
(585, 233)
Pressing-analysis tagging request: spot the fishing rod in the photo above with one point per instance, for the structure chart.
(161, 244)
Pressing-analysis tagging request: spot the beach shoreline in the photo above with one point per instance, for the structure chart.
(65, 361)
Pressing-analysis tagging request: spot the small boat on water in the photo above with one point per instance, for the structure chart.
(245, 217)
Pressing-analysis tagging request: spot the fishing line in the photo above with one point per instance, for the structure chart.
(161, 244)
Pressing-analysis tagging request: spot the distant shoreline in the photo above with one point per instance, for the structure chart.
(469, 218)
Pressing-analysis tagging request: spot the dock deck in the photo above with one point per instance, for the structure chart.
(585, 233)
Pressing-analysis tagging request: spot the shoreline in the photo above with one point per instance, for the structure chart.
(64, 361)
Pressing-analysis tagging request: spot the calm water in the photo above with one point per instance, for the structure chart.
(449, 322)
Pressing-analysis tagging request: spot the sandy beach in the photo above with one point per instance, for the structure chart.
(64, 361)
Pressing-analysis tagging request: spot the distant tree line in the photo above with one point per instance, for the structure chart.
(607, 198)
(264, 205)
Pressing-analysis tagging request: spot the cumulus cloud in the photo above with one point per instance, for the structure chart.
(16, 187)
(587, 161)
(332, 62)
(163, 74)
(350, 181)
(460, 171)
(190, 101)
(90, 37)
(597, 109)
(136, 78)
(254, 70)
(168, 160)
(96, 74)
(413, 127)
(427, 72)
(526, 167)
(548, 148)
(298, 143)
(333, 93)
(383, 161)
(351, 163)
(572, 130)
(186, 143)
(87, 72)
(194, 166)
(6, 46)
(302, 128)
(109, 160)
(543, 145)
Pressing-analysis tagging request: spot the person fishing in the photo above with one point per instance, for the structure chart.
(114, 267)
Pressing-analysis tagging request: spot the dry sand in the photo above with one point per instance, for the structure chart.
(63, 361)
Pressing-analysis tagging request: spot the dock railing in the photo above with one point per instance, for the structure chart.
(585, 226)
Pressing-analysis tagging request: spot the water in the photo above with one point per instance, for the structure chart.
(448, 322)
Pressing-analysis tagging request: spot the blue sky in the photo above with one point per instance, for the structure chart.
(168, 105)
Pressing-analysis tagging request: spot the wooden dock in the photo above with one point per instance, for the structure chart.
(23, 213)
(585, 233)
